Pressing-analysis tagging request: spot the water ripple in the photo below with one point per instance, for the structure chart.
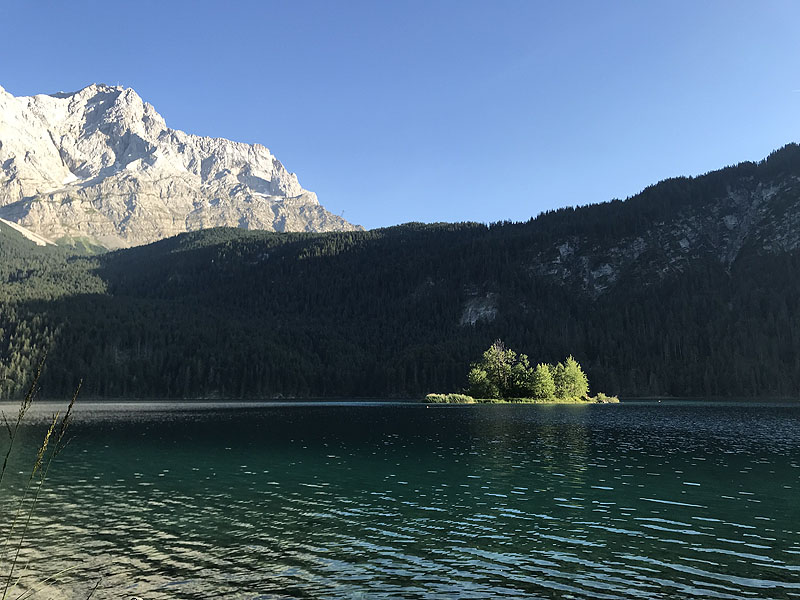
(395, 502)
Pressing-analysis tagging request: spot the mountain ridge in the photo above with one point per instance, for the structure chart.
(687, 289)
(100, 163)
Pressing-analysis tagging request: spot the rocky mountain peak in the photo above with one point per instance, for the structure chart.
(101, 163)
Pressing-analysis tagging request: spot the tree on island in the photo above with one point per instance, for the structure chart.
(542, 384)
(499, 372)
(480, 386)
(569, 379)
(502, 373)
(498, 363)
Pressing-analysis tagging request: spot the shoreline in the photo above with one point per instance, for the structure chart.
(9, 404)
(599, 398)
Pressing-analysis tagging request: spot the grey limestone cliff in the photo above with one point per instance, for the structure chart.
(100, 164)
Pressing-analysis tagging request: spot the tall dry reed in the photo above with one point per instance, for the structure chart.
(23, 508)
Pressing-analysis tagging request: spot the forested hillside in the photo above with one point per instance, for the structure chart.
(690, 288)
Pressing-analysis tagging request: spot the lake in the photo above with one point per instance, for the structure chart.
(208, 500)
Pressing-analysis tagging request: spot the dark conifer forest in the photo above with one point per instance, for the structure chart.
(691, 288)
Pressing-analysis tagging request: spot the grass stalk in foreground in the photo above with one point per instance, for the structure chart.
(53, 443)
(23, 408)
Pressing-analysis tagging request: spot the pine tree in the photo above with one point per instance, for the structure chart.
(542, 385)
(521, 374)
(557, 371)
(574, 381)
(480, 385)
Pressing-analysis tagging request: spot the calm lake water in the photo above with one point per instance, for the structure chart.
(402, 501)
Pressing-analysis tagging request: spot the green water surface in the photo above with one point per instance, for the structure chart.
(406, 501)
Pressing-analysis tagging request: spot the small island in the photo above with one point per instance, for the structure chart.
(503, 376)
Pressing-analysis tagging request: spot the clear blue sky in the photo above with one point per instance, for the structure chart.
(441, 110)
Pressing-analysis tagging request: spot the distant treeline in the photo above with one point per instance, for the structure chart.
(231, 313)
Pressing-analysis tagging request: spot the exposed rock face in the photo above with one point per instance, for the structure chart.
(479, 307)
(763, 216)
(101, 164)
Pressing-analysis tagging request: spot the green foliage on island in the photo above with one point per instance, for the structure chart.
(381, 313)
(599, 399)
(449, 399)
(504, 375)
(465, 399)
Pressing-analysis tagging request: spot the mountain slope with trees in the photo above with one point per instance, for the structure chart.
(687, 289)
